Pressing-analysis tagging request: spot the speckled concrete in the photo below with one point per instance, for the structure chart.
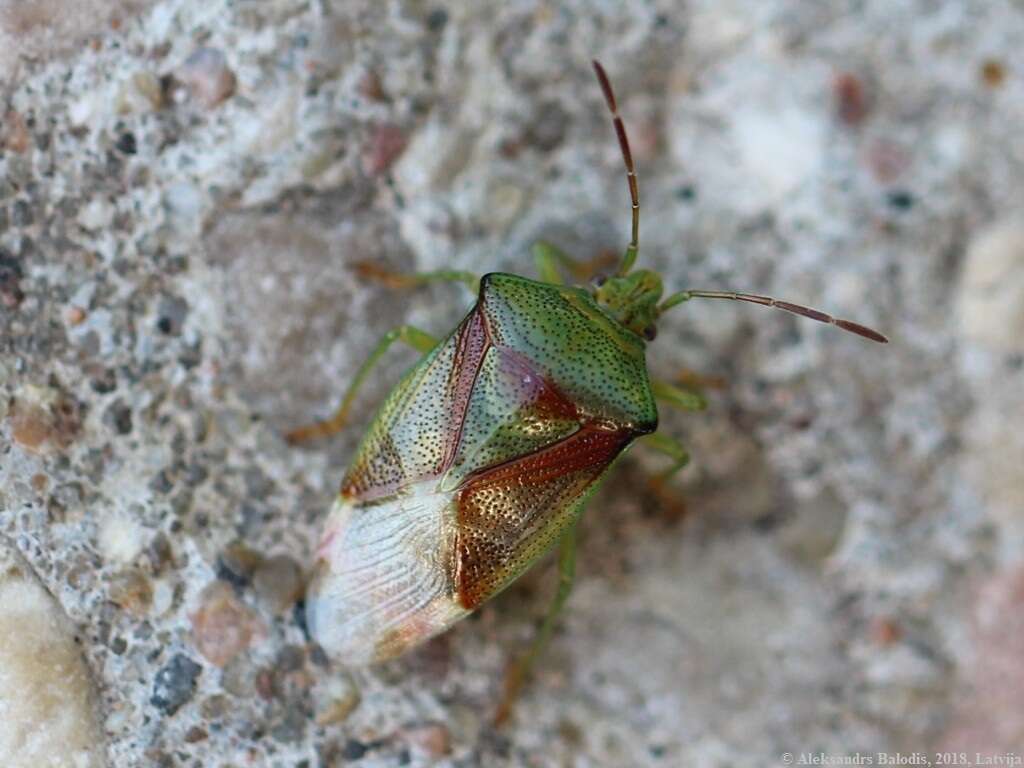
(185, 189)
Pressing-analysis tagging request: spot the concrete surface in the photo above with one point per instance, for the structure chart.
(185, 190)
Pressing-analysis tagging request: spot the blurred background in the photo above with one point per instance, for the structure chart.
(186, 189)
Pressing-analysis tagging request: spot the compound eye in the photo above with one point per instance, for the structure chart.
(599, 280)
(650, 332)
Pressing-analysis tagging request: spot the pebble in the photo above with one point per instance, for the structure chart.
(993, 73)
(354, 750)
(851, 103)
(43, 417)
(11, 294)
(236, 564)
(75, 316)
(47, 698)
(990, 304)
(97, 214)
(163, 597)
(171, 315)
(386, 145)
(121, 538)
(207, 76)
(118, 417)
(132, 592)
(292, 727)
(278, 583)
(175, 684)
(147, 85)
(335, 697)
(223, 626)
(428, 741)
(14, 132)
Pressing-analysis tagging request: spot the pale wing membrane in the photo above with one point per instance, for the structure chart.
(383, 582)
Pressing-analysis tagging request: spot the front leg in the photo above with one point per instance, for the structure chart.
(549, 261)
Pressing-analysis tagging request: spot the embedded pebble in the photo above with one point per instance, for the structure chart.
(278, 583)
(147, 85)
(11, 293)
(43, 418)
(47, 702)
(236, 563)
(97, 214)
(208, 77)
(386, 145)
(171, 315)
(335, 697)
(990, 315)
(427, 741)
(223, 626)
(122, 538)
(851, 102)
(175, 684)
(990, 305)
(13, 132)
(132, 592)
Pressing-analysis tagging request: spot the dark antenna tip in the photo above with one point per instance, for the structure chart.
(606, 85)
(786, 306)
(862, 330)
(627, 158)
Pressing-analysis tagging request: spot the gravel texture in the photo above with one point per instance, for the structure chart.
(186, 190)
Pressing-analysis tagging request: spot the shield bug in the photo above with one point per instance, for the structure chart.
(484, 455)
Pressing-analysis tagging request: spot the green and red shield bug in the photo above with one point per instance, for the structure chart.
(484, 455)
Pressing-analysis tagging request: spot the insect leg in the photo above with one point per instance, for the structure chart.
(678, 397)
(372, 271)
(519, 670)
(670, 447)
(549, 260)
(419, 340)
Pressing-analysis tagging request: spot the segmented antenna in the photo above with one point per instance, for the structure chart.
(634, 194)
(768, 301)
(629, 258)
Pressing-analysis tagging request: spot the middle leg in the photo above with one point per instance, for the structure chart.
(419, 340)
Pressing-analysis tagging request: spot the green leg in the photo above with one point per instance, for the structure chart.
(372, 271)
(547, 258)
(551, 261)
(683, 399)
(663, 444)
(519, 670)
(419, 340)
(668, 446)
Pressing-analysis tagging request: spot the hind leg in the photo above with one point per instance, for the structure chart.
(519, 671)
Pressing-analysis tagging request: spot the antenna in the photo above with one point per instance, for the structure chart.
(629, 258)
(768, 301)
